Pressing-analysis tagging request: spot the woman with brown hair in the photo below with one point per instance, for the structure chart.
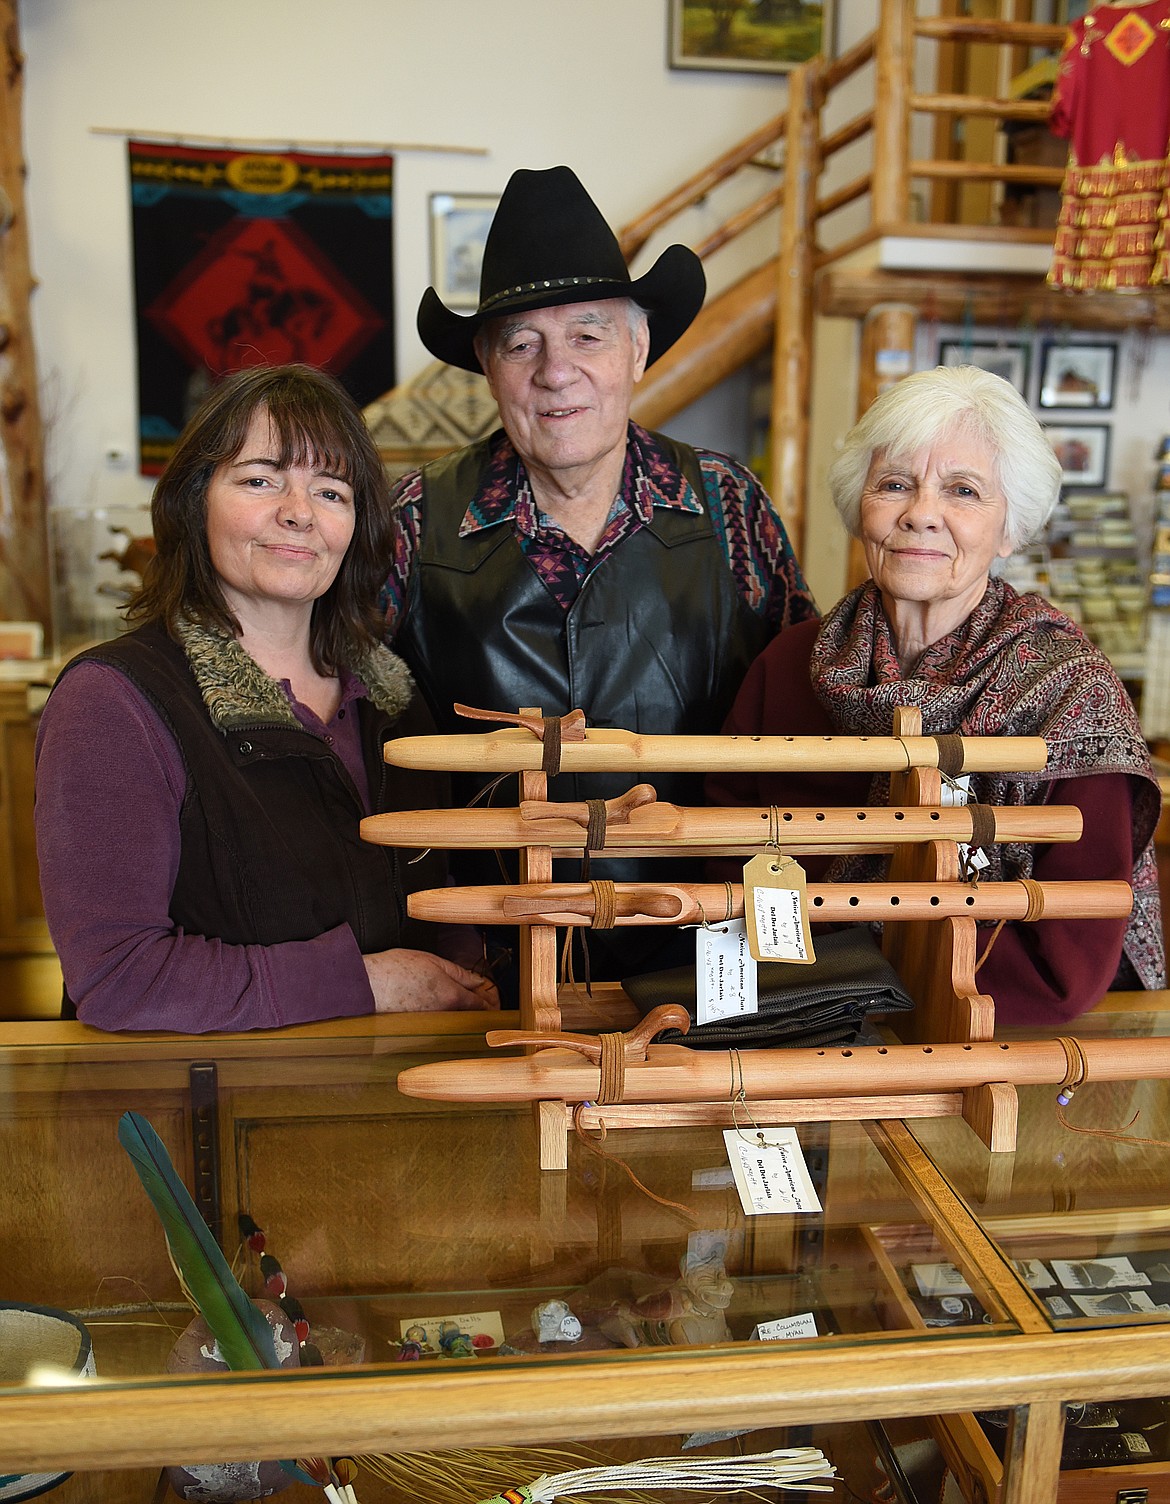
(200, 780)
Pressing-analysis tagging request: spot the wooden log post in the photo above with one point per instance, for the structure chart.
(788, 466)
(887, 354)
(730, 330)
(894, 60)
(24, 572)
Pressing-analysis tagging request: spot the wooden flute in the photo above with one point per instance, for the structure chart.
(576, 904)
(646, 827)
(673, 1073)
(518, 750)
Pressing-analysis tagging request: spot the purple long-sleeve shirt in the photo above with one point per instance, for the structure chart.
(110, 782)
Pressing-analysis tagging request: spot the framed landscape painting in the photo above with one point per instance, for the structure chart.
(748, 36)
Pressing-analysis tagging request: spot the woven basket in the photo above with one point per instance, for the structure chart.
(34, 1337)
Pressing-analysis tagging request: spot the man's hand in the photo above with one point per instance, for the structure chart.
(414, 981)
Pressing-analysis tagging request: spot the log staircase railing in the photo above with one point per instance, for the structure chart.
(773, 304)
(807, 244)
(748, 152)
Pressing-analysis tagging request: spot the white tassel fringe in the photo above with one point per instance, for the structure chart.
(786, 1467)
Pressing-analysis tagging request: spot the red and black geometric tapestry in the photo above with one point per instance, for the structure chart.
(255, 258)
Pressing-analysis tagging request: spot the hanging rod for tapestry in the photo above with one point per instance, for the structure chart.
(170, 138)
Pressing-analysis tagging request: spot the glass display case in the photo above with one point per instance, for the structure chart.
(1083, 1219)
(389, 1213)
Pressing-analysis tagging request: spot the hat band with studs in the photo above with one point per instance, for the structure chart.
(551, 282)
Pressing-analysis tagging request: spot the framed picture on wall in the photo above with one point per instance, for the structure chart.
(1008, 359)
(1077, 375)
(760, 36)
(459, 226)
(1083, 452)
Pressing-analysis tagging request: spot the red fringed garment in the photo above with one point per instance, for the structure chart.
(1112, 102)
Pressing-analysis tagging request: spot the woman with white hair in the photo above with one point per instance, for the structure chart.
(947, 473)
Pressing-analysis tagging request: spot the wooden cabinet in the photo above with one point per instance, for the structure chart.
(22, 918)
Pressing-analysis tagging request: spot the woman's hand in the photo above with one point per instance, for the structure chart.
(414, 981)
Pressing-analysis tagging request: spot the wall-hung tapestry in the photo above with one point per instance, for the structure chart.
(247, 258)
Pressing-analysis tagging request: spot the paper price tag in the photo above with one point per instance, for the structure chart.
(955, 793)
(725, 974)
(771, 1177)
(774, 906)
(787, 1328)
(940, 1279)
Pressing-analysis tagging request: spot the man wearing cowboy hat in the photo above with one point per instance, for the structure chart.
(572, 559)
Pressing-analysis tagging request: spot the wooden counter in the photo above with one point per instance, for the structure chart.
(382, 1209)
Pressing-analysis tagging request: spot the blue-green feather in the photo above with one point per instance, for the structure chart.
(244, 1337)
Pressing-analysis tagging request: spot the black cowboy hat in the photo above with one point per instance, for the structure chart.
(548, 244)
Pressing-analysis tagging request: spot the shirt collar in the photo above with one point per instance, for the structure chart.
(650, 479)
(351, 687)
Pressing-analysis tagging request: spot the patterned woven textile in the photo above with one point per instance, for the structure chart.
(252, 258)
(1016, 667)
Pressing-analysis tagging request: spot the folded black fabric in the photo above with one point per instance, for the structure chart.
(826, 1003)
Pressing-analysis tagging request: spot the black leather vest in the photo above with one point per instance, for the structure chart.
(270, 850)
(658, 639)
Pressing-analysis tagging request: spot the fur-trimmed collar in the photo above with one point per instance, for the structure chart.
(237, 691)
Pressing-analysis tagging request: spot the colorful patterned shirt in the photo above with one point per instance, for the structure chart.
(749, 531)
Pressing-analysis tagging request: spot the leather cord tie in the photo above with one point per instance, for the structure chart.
(982, 824)
(604, 903)
(1035, 892)
(550, 730)
(594, 833)
(595, 829)
(1077, 1072)
(613, 1069)
(594, 1147)
(1034, 911)
(550, 761)
(950, 755)
(594, 841)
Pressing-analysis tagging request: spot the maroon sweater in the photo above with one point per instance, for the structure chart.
(110, 783)
(1043, 973)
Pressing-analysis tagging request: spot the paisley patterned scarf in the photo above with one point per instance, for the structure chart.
(1015, 667)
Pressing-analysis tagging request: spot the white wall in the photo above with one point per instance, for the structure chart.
(535, 82)
(1137, 421)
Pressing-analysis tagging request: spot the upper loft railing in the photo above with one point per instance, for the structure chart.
(890, 180)
(867, 165)
(884, 127)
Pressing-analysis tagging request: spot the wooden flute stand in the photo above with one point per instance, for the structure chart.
(540, 1008)
(934, 955)
(935, 959)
